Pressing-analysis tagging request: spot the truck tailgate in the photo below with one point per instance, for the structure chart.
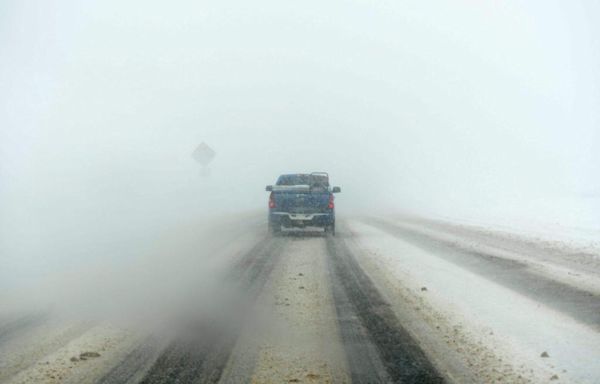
(301, 202)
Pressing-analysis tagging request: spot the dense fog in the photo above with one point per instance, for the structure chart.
(463, 110)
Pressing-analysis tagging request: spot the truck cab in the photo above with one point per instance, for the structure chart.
(302, 200)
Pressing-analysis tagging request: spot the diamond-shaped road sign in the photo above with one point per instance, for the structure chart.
(203, 154)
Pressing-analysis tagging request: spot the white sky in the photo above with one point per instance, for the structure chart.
(464, 108)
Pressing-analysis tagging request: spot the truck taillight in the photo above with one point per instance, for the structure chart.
(330, 205)
(271, 201)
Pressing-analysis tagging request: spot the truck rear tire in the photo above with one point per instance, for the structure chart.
(330, 229)
(274, 229)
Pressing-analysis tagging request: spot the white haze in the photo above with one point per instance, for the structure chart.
(469, 110)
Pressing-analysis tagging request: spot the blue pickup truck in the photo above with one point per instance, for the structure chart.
(302, 200)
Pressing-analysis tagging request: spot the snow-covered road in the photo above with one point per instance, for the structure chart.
(387, 300)
(501, 314)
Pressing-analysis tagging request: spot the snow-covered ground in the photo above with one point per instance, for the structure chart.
(497, 329)
(570, 255)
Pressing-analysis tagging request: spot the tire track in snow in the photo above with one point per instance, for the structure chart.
(378, 347)
(581, 305)
(200, 353)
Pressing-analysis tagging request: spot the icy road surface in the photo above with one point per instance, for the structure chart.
(388, 300)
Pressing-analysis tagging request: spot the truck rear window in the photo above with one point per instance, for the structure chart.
(303, 179)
